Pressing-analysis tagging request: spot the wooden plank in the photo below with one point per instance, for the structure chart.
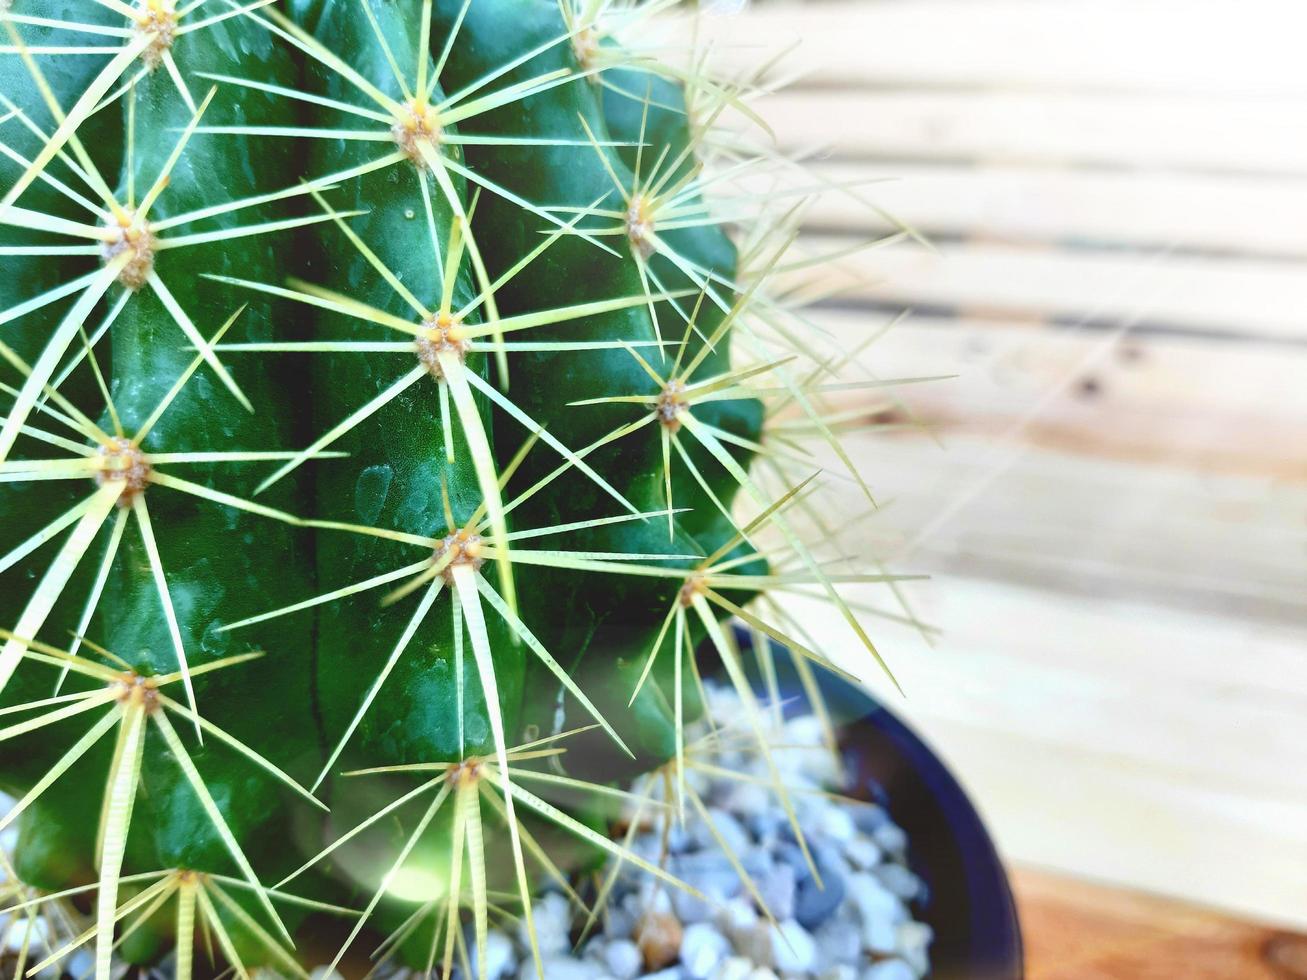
(1165, 467)
(1201, 405)
(1140, 132)
(1098, 527)
(1250, 297)
(1074, 930)
(1028, 205)
(1196, 47)
(1116, 740)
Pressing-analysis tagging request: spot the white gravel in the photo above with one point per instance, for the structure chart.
(857, 925)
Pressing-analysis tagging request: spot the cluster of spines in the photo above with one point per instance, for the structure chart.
(451, 325)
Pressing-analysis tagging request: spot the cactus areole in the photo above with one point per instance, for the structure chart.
(390, 403)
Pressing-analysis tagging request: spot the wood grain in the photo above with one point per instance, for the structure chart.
(1079, 931)
(1170, 401)
(1049, 128)
(1157, 288)
(1115, 739)
(1031, 205)
(1193, 47)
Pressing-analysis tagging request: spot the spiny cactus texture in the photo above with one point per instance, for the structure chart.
(393, 402)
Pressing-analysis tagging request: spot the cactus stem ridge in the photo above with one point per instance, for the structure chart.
(137, 702)
(122, 472)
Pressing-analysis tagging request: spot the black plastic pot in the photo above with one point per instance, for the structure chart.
(969, 903)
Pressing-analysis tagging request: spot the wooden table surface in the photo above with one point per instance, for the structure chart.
(1109, 491)
(1079, 931)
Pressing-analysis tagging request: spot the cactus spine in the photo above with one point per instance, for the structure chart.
(382, 395)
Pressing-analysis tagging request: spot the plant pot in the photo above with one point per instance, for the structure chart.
(969, 905)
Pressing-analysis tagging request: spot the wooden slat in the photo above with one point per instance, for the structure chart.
(1098, 527)
(1253, 297)
(1178, 46)
(1025, 205)
(1114, 740)
(1219, 133)
(1176, 402)
(1073, 930)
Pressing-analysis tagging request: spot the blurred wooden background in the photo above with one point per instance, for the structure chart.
(1077, 931)
(1114, 504)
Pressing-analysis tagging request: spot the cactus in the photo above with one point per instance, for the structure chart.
(391, 409)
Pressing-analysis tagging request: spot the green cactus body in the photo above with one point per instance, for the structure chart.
(26, 279)
(219, 561)
(398, 474)
(615, 620)
(412, 446)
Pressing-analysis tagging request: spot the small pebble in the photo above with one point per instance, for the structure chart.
(737, 916)
(880, 937)
(553, 920)
(752, 799)
(80, 964)
(838, 941)
(914, 940)
(813, 903)
(891, 838)
(562, 968)
(621, 922)
(863, 853)
(691, 908)
(702, 949)
(804, 730)
(733, 835)
(899, 880)
(790, 853)
(622, 958)
(879, 912)
(658, 934)
(793, 948)
(500, 958)
(710, 871)
(734, 968)
(755, 943)
(837, 823)
(869, 817)
(888, 970)
(33, 931)
(874, 901)
(777, 890)
(830, 859)
(765, 824)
